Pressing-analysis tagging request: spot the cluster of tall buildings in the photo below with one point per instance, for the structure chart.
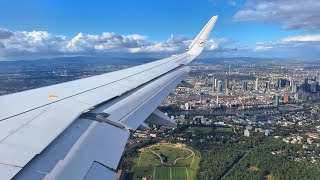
(217, 85)
(310, 85)
(267, 85)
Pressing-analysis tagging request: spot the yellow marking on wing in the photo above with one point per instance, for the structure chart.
(52, 96)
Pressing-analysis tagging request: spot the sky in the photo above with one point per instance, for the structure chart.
(36, 29)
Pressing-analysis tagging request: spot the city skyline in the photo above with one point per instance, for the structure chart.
(247, 28)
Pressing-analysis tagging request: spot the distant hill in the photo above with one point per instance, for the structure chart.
(80, 60)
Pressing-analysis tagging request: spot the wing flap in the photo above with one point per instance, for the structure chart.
(7, 172)
(31, 138)
(80, 150)
(14, 155)
(99, 172)
(9, 127)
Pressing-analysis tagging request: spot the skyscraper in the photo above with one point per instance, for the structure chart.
(305, 85)
(313, 86)
(227, 91)
(216, 83)
(277, 102)
(226, 83)
(283, 82)
(217, 100)
(294, 87)
(213, 84)
(219, 86)
(277, 83)
(245, 86)
(257, 84)
(226, 86)
(290, 81)
(267, 86)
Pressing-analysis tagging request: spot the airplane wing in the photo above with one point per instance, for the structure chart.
(79, 129)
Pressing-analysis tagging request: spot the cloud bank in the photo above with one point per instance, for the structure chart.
(22, 45)
(304, 46)
(41, 43)
(292, 14)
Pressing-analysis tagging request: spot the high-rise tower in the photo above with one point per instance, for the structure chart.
(257, 84)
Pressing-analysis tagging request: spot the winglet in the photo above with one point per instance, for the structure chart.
(199, 42)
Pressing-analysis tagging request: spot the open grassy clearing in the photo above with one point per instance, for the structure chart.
(170, 155)
(224, 129)
(205, 130)
(166, 161)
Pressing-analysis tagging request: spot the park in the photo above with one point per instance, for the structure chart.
(166, 161)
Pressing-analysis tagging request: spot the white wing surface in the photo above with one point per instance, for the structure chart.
(79, 129)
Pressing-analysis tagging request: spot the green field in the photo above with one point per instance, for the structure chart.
(170, 154)
(205, 130)
(166, 161)
(179, 173)
(227, 130)
(170, 173)
(162, 173)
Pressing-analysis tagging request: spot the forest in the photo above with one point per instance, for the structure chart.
(230, 155)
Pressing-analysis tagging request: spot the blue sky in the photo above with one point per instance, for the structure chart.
(265, 28)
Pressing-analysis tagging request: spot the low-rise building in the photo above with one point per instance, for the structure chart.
(247, 133)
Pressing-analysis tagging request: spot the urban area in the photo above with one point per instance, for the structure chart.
(237, 118)
(246, 119)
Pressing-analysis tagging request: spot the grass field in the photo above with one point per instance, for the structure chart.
(166, 161)
(170, 154)
(227, 130)
(170, 173)
(179, 173)
(205, 130)
(162, 173)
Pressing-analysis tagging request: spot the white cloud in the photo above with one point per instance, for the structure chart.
(43, 42)
(104, 42)
(157, 47)
(302, 41)
(32, 42)
(174, 44)
(24, 43)
(293, 14)
(304, 38)
(304, 46)
(261, 48)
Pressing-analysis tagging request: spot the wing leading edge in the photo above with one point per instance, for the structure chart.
(79, 129)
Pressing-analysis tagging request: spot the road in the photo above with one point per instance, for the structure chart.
(226, 172)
